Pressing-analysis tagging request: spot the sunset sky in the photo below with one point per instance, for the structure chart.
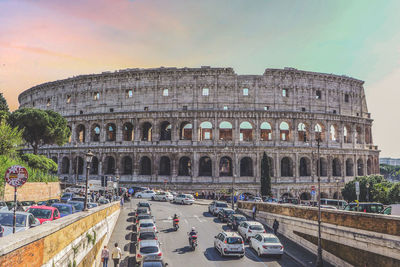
(43, 41)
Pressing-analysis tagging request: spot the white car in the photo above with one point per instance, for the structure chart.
(24, 221)
(218, 205)
(266, 244)
(163, 196)
(145, 194)
(249, 229)
(184, 199)
(146, 225)
(148, 249)
(229, 244)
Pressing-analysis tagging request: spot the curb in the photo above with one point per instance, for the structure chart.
(302, 264)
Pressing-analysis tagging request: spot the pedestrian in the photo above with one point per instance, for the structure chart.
(122, 201)
(197, 195)
(116, 255)
(275, 226)
(105, 255)
(254, 211)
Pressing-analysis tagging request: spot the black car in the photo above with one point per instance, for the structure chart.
(144, 204)
(224, 213)
(234, 220)
(11, 204)
(150, 235)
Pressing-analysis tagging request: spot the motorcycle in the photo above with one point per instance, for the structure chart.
(193, 242)
(176, 224)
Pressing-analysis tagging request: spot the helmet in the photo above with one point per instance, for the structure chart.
(193, 229)
(175, 215)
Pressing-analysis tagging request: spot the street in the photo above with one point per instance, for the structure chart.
(175, 244)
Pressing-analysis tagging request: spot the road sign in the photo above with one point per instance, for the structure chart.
(165, 181)
(313, 192)
(130, 191)
(313, 188)
(241, 197)
(16, 176)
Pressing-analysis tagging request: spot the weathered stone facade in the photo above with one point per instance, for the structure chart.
(204, 128)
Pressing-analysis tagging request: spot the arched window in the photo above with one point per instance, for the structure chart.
(80, 133)
(305, 196)
(205, 131)
(95, 133)
(358, 135)
(145, 166)
(349, 167)
(319, 132)
(70, 134)
(333, 133)
(284, 131)
(165, 166)
(246, 131)
(360, 167)
(78, 165)
(127, 131)
(165, 131)
(286, 167)
(65, 165)
(127, 165)
(266, 131)
(369, 166)
(225, 166)
(225, 131)
(368, 138)
(111, 132)
(246, 166)
(336, 167)
(146, 131)
(109, 166)
(302, 132)
(94, 166)
(185, 167)
(305, 166)
(205, 166)
(346, 134)
(186, 130)
(323, 167)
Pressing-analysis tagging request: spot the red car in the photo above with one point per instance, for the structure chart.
(44, 214)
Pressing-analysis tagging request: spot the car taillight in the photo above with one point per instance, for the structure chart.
(139, 239)
(154, 227)
(159, 254)
(249, 231)
(225, 249)
(225, 242)
(281, 247)
(155, 238)
(265, 231)
(266, 247)
(138, 256)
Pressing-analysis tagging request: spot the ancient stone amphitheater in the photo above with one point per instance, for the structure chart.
(204, 129)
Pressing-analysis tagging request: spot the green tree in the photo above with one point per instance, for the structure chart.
(10, 139)
(40, 162)
(265, 176)
(394, 193)
(40, 127)
(3, 103)
(377, 189)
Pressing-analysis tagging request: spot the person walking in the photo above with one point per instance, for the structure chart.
(275, 226)
(116, 255)
(105, 255)
(254, 211)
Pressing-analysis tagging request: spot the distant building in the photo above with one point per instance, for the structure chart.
(389, 161)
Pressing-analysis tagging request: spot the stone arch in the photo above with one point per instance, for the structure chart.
(225, 131)
(302, 131)
(358, 135)
(165, 131)
(347, 134)
(336, 167)
(246, 131)
(323, 167)
(65, 165)
(78, 165)
(127, 165)
(94, 166)
(186, 131)
(111, 132)
(95, 133)
(286, 167)
(305, 166)
(165, 166)
(246, 166)
(205, 131)
(333, 133)
(80, 133)
(360, 167)
(185, 166)
(284, 131)
(266, 131)
(109, 165)
(127, 131)
(225, 166)
(146, 130)
(349, 167)
(205, 166)
(369, 166)
(145, 166)
(319, 130)
(305, 196)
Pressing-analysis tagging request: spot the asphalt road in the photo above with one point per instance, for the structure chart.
(175, 245)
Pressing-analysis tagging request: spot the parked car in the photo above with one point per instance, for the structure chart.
(234, 220)
(78, 189)
(266, 244)
(142, 210)
(44, 214)
(255, 199)
(146, 235)
(290, 200)
(78, 205)
(24, 221)
(328, 207)
(163, 196)
(11, 204)
(211, 205)
(145, 194)
(148, 249)
(368, 207)
(144, 204)
(91, 205)
(224, 213)
(184, 199)
(64, 209)
(42, 203)
(393, 209)
(52, 201)
(153, 263)
(103, 201)
(229, 244)
(67, 197)
(27, 204)
(249, 229)
(146, 225)
(78, 198)
(3, 206)
(218, 205)
(144, 217)
(270, 200)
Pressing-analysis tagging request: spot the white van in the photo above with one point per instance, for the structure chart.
(393, 209)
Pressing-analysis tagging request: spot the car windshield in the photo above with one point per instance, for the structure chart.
(27, 203)
(234, 240)
(141, 211)
(40, 213)
(271, 240)
(63, 209)
(67, 195)
(77, 205)
(6, 219)
(144, 204)
(256, 227)
(147, 250)
(240, 219)
(146, 225)
(147, 235)
(222, 205)
(229, 211)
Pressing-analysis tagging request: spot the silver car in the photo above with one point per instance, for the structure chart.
(24, 221)
(146, 225)
(148, 249)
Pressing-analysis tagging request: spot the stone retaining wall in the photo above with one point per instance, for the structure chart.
(33, 191)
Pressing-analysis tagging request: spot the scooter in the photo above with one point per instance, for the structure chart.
(193, 242)
(176, 224)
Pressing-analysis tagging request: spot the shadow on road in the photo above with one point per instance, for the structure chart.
(207, 214)
(226, 228)
(216, 220)
(126, 262)
(213, 255)
(183, 250)
(251, 254)
(168, 230)
(129, 236)
(130, 227)
(131, 214)
(130, 219)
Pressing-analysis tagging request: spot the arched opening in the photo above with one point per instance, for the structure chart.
(286, 167)
(369, 166)
(111, 132)
(360, 167)
(205, 131)
(284, 132)
(78, 165)
(225, 131)
(368, 137)
(94, 166)
(146, 131)
(109, 166)
(186, 130)
(336, 167)
(205, 166)
(349, 167)
(246, 166)
(80, 133)
(185, 166)
(305, 196)
(165, 166)
(165, 131)
(302, 132)
(246, 131)
(319, 132)
(323, 167)
(70, 134)
(333, 133)
(65, 165)
(145, 166)
(127, 165)
(95, 133)
(266, 131)
(346, 135)
(305, 166)
(225, 166)
(286, 195)
(358, 135)
(127, 131)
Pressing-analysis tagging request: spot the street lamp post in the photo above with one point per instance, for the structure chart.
(232, 194)
(89, 157)
(337, 188)
(367, 185)
(319, 254)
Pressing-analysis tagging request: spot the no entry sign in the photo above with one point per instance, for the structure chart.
(16, 176)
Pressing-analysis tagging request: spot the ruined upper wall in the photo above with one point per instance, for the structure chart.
(306, 91)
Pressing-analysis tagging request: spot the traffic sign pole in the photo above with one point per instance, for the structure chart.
(15, 209)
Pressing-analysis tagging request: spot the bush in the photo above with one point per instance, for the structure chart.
(40, 162)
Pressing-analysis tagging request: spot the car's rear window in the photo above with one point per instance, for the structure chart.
(240, 219)
(143, 217)
(234, 240)
(147, 250)
(256, 227)
(147, 235)
(222, 205)
(146, 225)
(271, 240)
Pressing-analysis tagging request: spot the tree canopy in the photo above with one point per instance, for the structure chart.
(3, 103)
(10, 139)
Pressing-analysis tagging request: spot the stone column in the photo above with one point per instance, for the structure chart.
(195, 133)
(296, 172)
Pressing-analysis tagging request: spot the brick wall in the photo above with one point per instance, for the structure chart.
(33, 191)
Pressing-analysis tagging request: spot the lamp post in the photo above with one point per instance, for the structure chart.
(319, 262)
(232, 194)
(89, 157)
(337, 190)
(367, 185)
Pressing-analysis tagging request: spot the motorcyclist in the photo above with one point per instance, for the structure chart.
(175, 218)
(192, 233)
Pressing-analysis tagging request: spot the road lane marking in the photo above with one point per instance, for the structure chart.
(186, 221)
(197, 217)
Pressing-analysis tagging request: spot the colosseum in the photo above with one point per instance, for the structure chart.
(206, 129)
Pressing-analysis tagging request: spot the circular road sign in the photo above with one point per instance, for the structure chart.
(16, 176)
